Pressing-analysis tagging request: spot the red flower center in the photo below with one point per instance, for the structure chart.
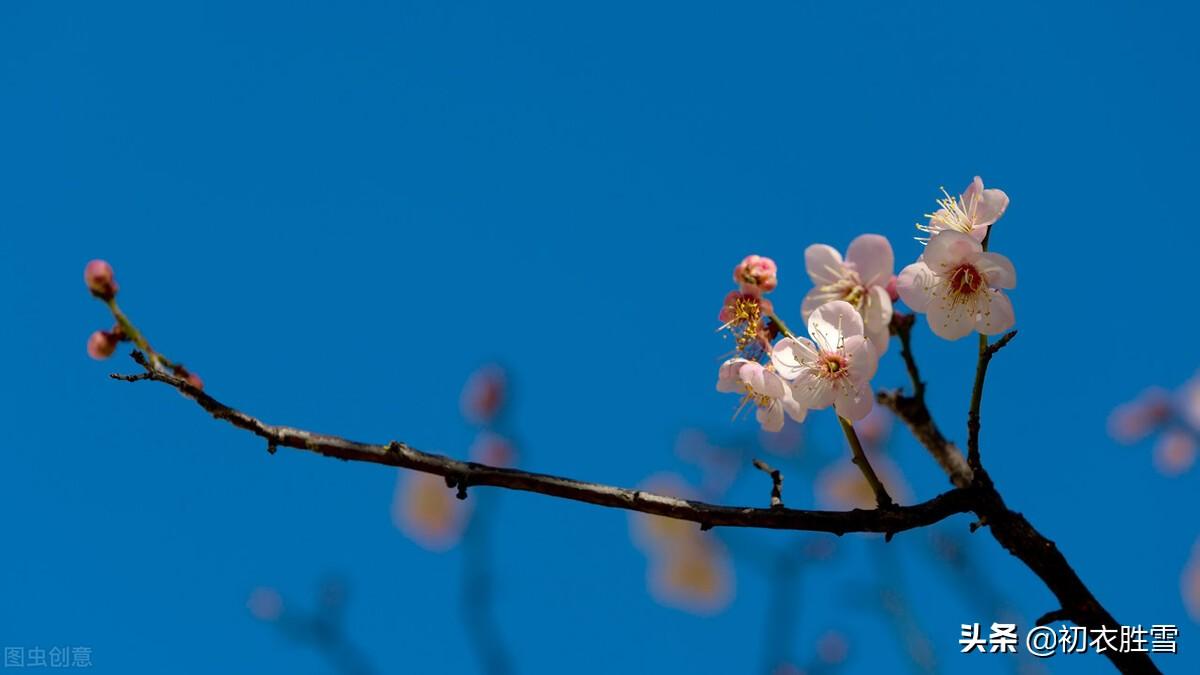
(965, 280)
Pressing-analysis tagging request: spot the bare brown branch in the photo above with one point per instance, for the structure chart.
(1011, 529)
(975, 492)
(462, 475)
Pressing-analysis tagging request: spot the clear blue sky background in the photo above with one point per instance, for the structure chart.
(335, 211)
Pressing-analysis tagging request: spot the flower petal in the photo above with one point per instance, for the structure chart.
(950, 322)
(812, 392)
(998, 315)
(992, 204)
(728, 378)
(790, 354)
(997, 269)
(915, 285)
(853, 403)
(832, 321)
(872, 257)
(793, 408)
(877, 314)
(824, 264)
(971, 194)
(949, 249)
(770, 417)
(771, 384)
(862, 358)
(817, 297)
(880, 339)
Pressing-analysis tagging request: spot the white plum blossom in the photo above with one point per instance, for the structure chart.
(971, 213)
(860, 279)
(835, 367)
(764, 388)
(955, 283)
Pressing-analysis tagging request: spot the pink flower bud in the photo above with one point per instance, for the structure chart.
(101, 345)
(194, 380)
(98, 275)
(483, 395)
(891, 289)
(265, 604)
(1175, 452)
(755, 275)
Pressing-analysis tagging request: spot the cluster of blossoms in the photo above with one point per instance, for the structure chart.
(745, 312)
(955, 282)
(98, 276)
(1173, 418)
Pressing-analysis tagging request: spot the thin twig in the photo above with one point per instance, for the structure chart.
(783, 327)
(901, 326)
(986, 352)
(882, 499)
(776, 482)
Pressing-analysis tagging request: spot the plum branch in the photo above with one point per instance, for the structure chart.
(460, 475)
(1011, 529)
(973, 491)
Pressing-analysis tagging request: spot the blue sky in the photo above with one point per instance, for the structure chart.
(335, 211)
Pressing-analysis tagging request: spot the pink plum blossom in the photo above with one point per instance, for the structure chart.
(98, 275)
(689, 569)
(861, 279)
(956, 284)
(427, 511)
(1131, 422)
(971, 213)
(697, 577)
(764, 388)
(1175, 452)
(756, 275)
(835, 367)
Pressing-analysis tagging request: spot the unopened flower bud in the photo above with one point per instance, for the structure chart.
(194, 380)
(756, 274)
(101, 345)
(265, 604)
(484, 394)
(98, 275)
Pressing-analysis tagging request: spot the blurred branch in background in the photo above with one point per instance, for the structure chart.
(428, 513)
(321, 629)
